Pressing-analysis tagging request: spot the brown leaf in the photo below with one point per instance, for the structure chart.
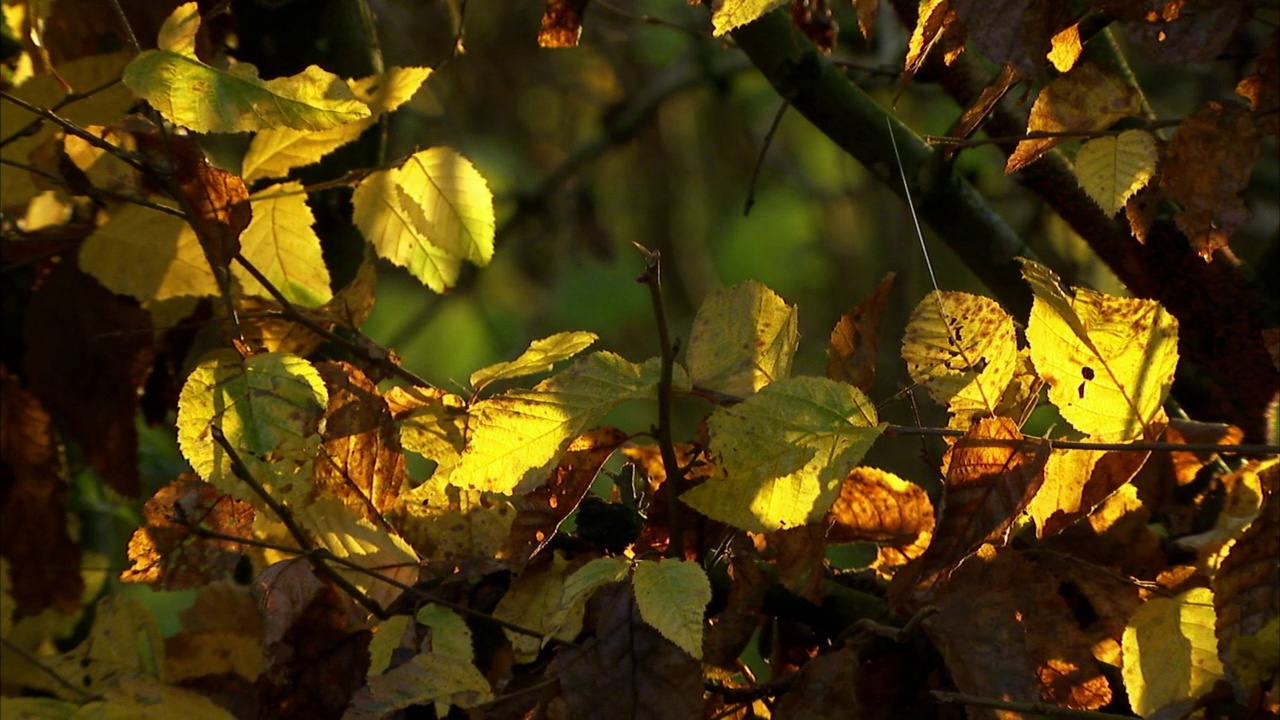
(1102, 598)
(700, 533)
(1076, 482)
(1207, 166)
(866, 17)
(221, 634)
(1262, 88)
(801, 558)
(1005, 632)
(360, 461)
(1066, 48)
(168, 556)
(1141, 209)
(937, 26)
(879, 507)
(814, 19)
(44, 560)
(562, 23)
(1185, 465)
(219, 204)
(1178, 32)
(1246, 588)
(732, 628)
(827, 687)
(88, 352)
(1086, 99)
(992, 473)
(851, 351)
(539, 513)
(628, 670)
(1022, 36)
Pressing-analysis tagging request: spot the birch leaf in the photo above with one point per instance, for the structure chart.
(672, 596)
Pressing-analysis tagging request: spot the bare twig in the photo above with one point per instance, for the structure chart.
(652, 277)
(764, 149)
(1033, 709)
(1042, 134)
(125, 155)
(95, 192)
(1254, 449)
(31, 127)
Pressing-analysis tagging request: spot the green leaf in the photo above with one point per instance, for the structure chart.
(281, 243)
(672, 596)
(962, 349)
(743, 338)
(148, 255)
(1170, 651)
(596, 573)
(1112, 169)
(1108, 361)
(784, 452)
(382, 553)
(541, 356)
(206, 99)
(450, 635)
(517, 437)
(268, 407)
(449, 202)
(735, 13)
(275, 151)
(386, 224)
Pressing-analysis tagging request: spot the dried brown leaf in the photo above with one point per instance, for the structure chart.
(1086, 99)
(814, 19)
(801, 557)
(628, 669)
(880, 507)
(732, 628)
(1022, 36)
(1178, 32)
(851, 350)
(219, 202)
(866, 17)
(1262, 87)
(540, 512)
(221, 634)
(1140, 210)
(1207, 166)
(937, 26)
(1065, 48)
(827, 687)
(1185, 465)
(167, 555)
(562, 23)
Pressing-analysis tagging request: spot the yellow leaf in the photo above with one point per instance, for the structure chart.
(541, 356)
(1112, 169)
(937, 23)
(386, 224)
(586, 579)
(281, 243)
(1170, 652)
(450, 533)
(206, 99)
(784, 453)
(275, 151)
(730, 14)
(432, 424)
(340, 530)
(672, 596)
(962, 349)
(1065, 48)
(743, 338)
(449, 202)
(533, 602)
(149, 255)
(268, 407)
(1087, 98)
(517, 437)
(1108, 361)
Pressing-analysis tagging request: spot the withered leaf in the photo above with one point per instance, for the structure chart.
(1262, 87)
(866, 17)
(1076, 482)
(219, 203)
(562, 23)
(937, 26)
(540, 512)
(1246, 588)
(1086, 99)
(851, 350)
(827, 687)
(880, 507)
(44, 560)
(1178, 32)
(1022, 36)
(167, 555)
(1207, 166)
(628, 669)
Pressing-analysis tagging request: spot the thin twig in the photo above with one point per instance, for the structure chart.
(772, 688)
(291, 312)
(1042, 134)
(1026, 708)
(1085, 445)
(241, 471)
(370, 27)
(94, 140)
(652, 277)
(31, 127)
(95, 191)
(764, 150)
(128, 29)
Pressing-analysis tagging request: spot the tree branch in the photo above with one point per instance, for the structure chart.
(1033, 709)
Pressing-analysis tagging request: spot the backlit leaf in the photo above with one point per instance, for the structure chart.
(672, 596)
(268, 407)
(851, 350)
(1076, 483)
(1021, 38)
(1086, 99)
(1112, 169)
(541, 356)
(449, 202)
(432, 424)
(454, 532)
(595, 574)
(784, 453)
(1108, 361)
(340, 530)
(147, 254)
(561, 23)
(534, 602)
(730, 14)
(880, 507)
(937, 24)
(1247, 595)
(281, 244)
(1170, 652)
(386, 224)
(962, 349)
(206, 99)
(743, 338)
(516, 437)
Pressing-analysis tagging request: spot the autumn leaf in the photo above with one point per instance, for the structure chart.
(880, 507)
(206, 99)
(222, 632)
(938, 26)
(536, 601)
(1112, 169)
(1077, 482)
(1108, 361)
(148, 255)
(1246, 597)
(1191, 31)
(784, 453)
(541, 356)
(562, 23)
(729, 14)
(454, 532)
(1170, 652)
(1206, 168)
(1262, 87)
(1021, 40)
(281, 244)
(432, 424)
(381, 553)
(1065, 48)
(743, 338)
(851, 350)
(218, 202)
(962, 349)
(1086, 99)
(671, 596)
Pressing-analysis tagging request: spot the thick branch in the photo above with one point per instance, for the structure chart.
(952, 207)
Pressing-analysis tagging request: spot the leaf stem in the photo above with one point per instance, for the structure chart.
(1254, 449)
(1026, 708)
(652, 276)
